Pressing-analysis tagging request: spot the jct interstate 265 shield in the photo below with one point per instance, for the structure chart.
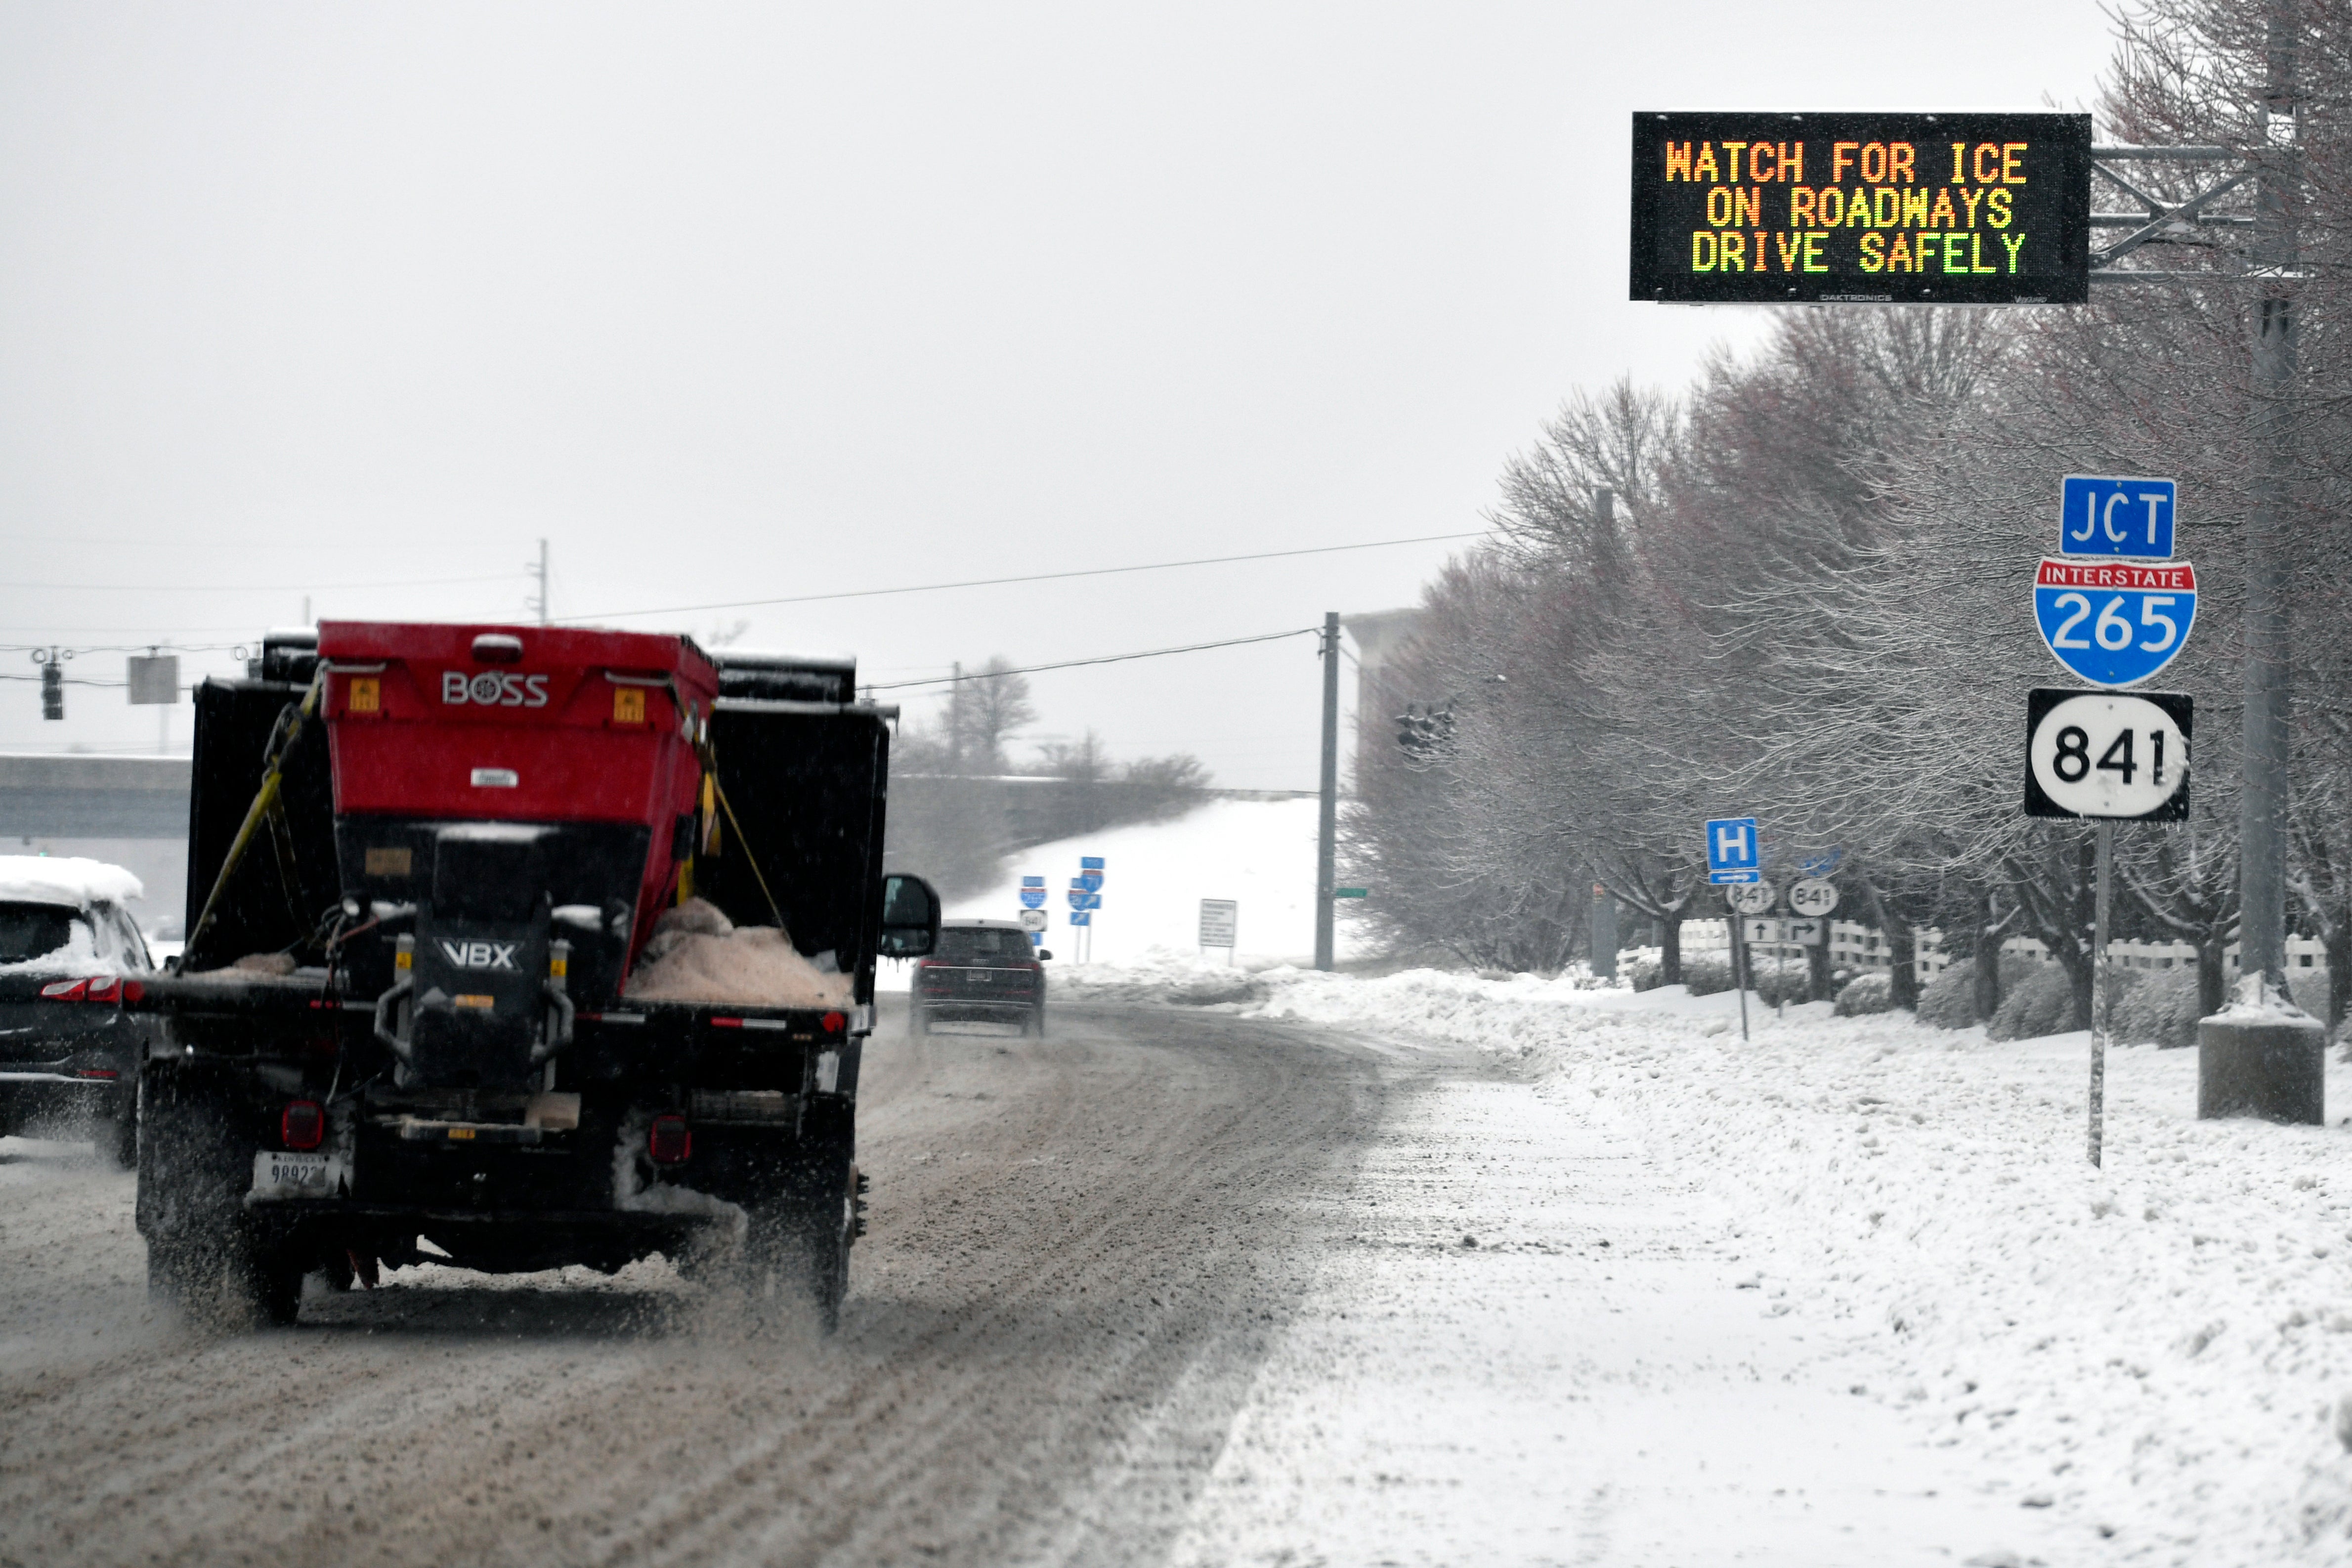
(2115, 622)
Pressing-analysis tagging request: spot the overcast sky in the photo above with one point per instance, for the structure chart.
(359, 302)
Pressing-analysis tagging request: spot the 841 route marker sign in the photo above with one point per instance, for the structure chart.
(2117, 755)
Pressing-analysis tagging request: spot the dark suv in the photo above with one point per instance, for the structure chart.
(980, 969)
(65, 945)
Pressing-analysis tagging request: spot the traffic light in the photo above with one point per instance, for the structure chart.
(1423, 736)
(53, 689)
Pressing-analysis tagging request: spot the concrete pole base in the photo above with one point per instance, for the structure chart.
(2275, 1069)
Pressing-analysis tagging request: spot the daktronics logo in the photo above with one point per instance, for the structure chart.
(490, 689)
(480, 954)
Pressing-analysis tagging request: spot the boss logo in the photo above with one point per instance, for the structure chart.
(480, 954)
(490, 689)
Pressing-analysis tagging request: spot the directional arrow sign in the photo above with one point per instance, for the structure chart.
(2115, 622)
(2107, 754)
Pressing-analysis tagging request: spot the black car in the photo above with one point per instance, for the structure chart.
(67, 950)
(980, 969)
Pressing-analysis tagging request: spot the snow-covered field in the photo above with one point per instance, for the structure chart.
(2147, 1362)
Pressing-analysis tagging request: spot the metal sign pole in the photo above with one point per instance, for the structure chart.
(2103, 991)
(1740, 972)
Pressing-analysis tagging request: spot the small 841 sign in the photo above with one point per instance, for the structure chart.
(1814, 896)
(2107, 754)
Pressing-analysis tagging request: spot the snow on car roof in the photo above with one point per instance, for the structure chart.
(65, 879)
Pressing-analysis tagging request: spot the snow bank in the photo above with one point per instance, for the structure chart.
(2256, 1001)
(65, 879)
(2156, 1350)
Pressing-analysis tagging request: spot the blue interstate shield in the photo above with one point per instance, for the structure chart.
(2115, 622)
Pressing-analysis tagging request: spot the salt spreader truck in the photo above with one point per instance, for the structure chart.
(518, 946)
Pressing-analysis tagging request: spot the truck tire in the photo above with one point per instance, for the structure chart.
(205, 1255)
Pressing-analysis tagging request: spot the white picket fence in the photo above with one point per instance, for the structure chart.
(1851, 946)
(1854, 946)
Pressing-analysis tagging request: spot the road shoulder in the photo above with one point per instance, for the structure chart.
(1531, 1348)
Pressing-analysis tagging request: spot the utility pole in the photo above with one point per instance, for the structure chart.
(2272, 1067)
(2269, 1065)
(955, 719)
(539, 604)
(2261, 847)
(1328, 843)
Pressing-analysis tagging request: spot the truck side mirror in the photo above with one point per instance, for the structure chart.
(910, 917)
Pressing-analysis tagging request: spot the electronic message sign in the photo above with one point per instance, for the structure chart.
(1925, 209)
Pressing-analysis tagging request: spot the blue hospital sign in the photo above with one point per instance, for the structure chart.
(1734, 850)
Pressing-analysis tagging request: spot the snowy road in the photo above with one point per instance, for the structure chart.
(1173, 1287)
(1081, 1250)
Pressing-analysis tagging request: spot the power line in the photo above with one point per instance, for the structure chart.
(1103, 659)
(164, 646)
(258, 587)
(1001, 582)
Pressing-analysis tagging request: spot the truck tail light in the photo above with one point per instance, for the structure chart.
(303, 1124)
(833, 1023)
(669, 1141)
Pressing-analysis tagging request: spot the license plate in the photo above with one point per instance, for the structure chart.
(289, 1175)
